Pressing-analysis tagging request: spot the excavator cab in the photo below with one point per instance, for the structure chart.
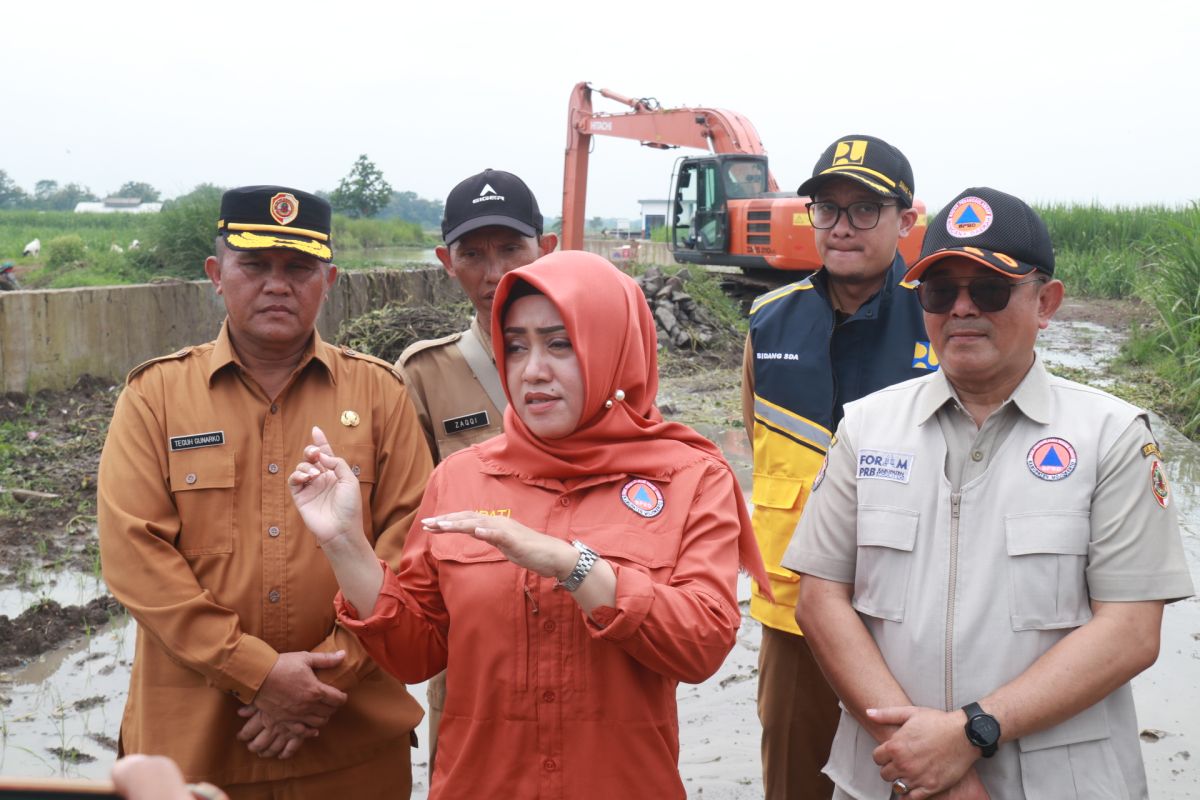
(702, 188)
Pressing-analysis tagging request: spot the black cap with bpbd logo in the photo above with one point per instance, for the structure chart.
(492, 197)
(992, 228)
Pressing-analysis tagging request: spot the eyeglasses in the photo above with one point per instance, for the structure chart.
(863, 215)
(988, 292)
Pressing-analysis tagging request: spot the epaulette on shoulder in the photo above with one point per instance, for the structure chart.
(427, 344)
(168, 357)
(351, 353)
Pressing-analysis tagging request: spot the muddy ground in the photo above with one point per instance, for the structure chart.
(65, 644)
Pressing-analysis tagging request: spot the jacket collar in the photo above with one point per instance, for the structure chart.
(223, 354)
(1031, 397)
(870, 309)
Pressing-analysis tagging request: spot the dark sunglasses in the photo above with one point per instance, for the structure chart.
(988, 292)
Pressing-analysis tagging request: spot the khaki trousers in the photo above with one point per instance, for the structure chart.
(799, 714)
(388, 777)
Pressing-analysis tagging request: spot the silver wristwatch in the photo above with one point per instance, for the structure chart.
(587, 560)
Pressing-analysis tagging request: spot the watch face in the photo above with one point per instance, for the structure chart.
(984, 730)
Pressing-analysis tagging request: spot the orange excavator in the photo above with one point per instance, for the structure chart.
(725, 208)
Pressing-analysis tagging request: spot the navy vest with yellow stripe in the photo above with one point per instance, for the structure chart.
(806, 369)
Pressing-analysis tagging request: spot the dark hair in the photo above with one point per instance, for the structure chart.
(520, 289)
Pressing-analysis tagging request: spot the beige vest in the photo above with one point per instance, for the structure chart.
(963, 592)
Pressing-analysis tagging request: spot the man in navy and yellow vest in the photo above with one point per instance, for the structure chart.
(847, 330)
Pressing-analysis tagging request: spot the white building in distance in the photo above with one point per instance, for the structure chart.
(117, 205)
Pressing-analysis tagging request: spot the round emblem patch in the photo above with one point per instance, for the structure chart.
(1051, 459)
(642, 497)
(970, 216)
(284, 207)
(1159, 485)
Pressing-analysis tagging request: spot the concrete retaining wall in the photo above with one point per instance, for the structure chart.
(49, 338)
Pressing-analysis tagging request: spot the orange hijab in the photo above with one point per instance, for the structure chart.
(613, 336)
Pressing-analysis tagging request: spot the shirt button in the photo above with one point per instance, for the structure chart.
(191, 477)
(564, 501)
(272, 468)
(549, 765)
(977, 456)
(273, 595)
(548, 626)
(274, 408)
(548, 697)
(356, 469)
(272, 531)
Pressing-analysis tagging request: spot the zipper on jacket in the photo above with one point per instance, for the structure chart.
(955, 499)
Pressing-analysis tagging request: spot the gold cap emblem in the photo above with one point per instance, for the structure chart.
(284, 207)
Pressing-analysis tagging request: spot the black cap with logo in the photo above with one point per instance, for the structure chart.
(869, 160)
(492, 197)
(987, 226)
(268, 217)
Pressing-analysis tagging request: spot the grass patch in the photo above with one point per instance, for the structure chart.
(1150, 252)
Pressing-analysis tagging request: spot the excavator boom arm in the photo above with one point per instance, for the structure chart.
(713, 129)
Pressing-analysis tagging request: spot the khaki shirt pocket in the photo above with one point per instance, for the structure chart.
(202, 484)
(886, 538)
(361, 459)
(1074, 759)
(1047, 569)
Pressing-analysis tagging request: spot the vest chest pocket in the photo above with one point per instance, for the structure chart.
(202, 484)
(1047, 559)
(886, 538)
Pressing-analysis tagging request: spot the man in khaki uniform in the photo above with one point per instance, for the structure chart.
(491, 225)
(239, 661)
(989, 549)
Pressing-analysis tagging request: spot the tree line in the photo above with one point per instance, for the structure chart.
(362, 193)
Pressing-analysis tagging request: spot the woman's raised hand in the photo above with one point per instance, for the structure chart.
(326, 492)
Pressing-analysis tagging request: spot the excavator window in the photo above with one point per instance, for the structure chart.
(699, 206)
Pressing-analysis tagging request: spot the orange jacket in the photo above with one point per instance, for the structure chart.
(541, 701)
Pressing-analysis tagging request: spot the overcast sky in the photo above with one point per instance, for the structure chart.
(1052, 101)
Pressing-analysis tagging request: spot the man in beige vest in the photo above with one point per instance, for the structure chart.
(990, 549)
(491, 225)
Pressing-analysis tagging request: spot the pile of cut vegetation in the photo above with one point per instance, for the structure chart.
(386, 331)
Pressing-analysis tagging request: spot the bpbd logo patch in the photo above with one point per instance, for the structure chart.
(1051, 459)
(642, 497)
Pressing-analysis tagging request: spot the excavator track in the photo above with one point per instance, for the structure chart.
(743, 287)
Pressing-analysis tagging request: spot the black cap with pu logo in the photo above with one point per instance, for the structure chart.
(268, 217)
(869, 160)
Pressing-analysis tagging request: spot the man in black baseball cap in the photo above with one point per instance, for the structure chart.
(491, 225)
(1046, 504)
(849, 329)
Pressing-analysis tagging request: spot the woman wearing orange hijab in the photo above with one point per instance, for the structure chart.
(569, 572)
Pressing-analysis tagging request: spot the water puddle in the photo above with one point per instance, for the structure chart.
(1080, 345)
(67, 588)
